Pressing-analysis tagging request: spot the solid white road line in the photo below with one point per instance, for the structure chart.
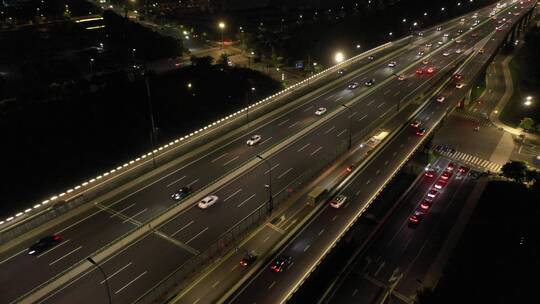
(246, 200)
(272, 285)
(329, 130)
(262, 142)
(16, 254)
(215, 284)
(362, 117)
(219, 157)
(307, 247)
(397, 93)
(120, 212)
(371, 102)
(185, 226)
(78, 222)
(341, 133)
(230, 196)
(131, 282)
(284, 173)
(294, 124)
(135, 215)
(386, 92)
(55, 247)
(271, 168)
(308, 108)
(65, 255)
(317, 150)
(338, 99)
(230, 161)
(351, 116)
(305, 146)
(380, 105)
(176, 181)
(283, 122)
(115, 273)
(196, 235)
(321, 232)
(192, 183)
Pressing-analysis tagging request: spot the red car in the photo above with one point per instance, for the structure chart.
(281, 263)
(425, 205)
(457, 77)
(416, 217)
(420, 131)
(440, 184)
(446, 175)
(450, 167)
(463, 170)
(419, 71)
(430, 173)
(415, 124)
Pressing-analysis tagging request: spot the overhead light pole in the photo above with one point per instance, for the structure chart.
(350, 126)
(269, 185)
(105, 278)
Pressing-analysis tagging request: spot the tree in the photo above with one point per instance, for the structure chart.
(526, 123)
(538, 128)
(515, 170)
(223, 59)
(532, 176)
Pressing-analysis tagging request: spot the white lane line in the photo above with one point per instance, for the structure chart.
(78, 222)
(272, 285)
(271, 168)
(377, 172)
(305, 146)
(235, 266)
(386, 163)
(175, 181)
(135, 215)
(371, 102)
(262, 142)
(192, 183)
(196, 235)
(130, 282)
(294, 124)
(308, 108)
(185, 226)
(215, 284)
(307, 247)
(334, 218)
(230, 161)
(317, 150)
(64, 256)
(283, 174)
(230, 196)
(369, 181)
(394, 153)
(338, 99)
(397, 93)
(245, 201)
(119, 212)
(330, 96)
(115, 273)
(351, 116)
(11, 257)
(266, 239)
(341, 133)
(219, 157)
(410, 84)
(386, 92)
(321, 232)
(55, 247)
(283, 122)
(358, 192)
(380, 105)
(362, 117)
(329, 130)
(197, 301)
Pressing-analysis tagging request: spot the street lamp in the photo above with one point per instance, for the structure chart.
(153, 138)
(269, 186)
(528, 101)
(91, 65)
(221, 26)
(350, 126)
(247, 103)
(89, 259)
(339, 57)
(133, 54)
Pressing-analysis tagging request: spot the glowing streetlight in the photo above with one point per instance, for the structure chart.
(221, 26)
(339, 57)
(528, 101)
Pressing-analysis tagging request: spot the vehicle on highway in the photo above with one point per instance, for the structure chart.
(419, 71)
(181, 193)
(440, 184)
(450, 167)
(350, 168)
(475, 35)
(446, 35)
(430, 173)
(446, 175)
(459, 41)
(392, 64)
(425, 204)
(353, 86)
(457, 76)
(401, 77)
(420, 33)
(338, 201)
(416, 124)
(280, 263)
(481, 51)
(463, 170)
(446, 54)
(416, 217)
(428, 45)
(430, 70)
(44, 243)
(458, 51)
(432, 194)
(369, 82)
(460, 31)
(421, 131)
(441, 98)
(248, 259)
(460, 85)
(207, 201)
(425, 61)
(438, 29)
(320, 111)
(420, 53)
(253, 140)
(341, 71)
(370, 57)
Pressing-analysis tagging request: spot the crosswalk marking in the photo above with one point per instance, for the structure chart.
(470, 159)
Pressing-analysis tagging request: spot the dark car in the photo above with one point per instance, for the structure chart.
(416, 217)
(248, 259)
(369, 82)
(181, 193)
(280, 263)
(341, 71)
(44, 243)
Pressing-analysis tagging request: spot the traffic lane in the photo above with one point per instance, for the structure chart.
(76, 245)
(129, 274)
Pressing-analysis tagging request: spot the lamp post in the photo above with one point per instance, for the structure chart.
(247, 103)
(339, 57)
(221, 26)
(91, 65)
(89, 259)
(269, 186)
(133, 54)
(152, 123)
(350, 126)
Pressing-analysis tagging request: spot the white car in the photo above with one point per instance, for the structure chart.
(320, 111)
(445, 54)
(440, 42)
(338, 201)
(420, 53)
(459, 41)
(392, 64)
(440, 98)
(429, 45)
(446, 35)
(207, 201)
(353, 85)
(255, 139)
(460, 85)
(458, 51)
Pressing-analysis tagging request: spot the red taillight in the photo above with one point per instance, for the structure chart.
(424, 206)
(56, 238)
